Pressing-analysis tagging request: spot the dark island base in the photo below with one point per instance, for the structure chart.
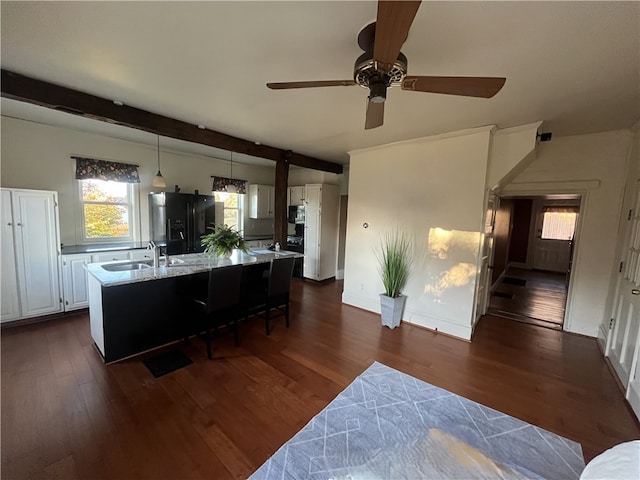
(142, 316)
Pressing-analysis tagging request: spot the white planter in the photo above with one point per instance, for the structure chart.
(391, 309)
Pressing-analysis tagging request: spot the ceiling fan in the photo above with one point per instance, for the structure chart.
(383, 65)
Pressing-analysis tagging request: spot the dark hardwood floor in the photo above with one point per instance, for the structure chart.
(540, 301)
(67, 415)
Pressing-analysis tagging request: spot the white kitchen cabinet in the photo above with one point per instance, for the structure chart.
(321, 231)
(74, 281)
(142, 254)
(112, 256)
(296, 195)
(30, 270)
(261, 201)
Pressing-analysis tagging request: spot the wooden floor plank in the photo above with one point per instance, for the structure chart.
(66, 414)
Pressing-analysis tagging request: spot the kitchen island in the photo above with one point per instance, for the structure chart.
(139, 307)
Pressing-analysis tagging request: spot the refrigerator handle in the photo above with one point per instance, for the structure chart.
(189, 215)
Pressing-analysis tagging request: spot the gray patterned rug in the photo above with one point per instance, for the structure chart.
(389, 425)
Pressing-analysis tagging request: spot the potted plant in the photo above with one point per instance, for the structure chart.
(394, 260)
(222, 240)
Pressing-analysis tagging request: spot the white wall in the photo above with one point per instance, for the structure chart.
(433, 189)
(512, 149)
(594, 166)
(38, 156)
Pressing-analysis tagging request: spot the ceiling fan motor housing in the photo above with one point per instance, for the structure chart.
(367, 74)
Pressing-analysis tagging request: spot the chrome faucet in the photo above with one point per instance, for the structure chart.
(156, 253)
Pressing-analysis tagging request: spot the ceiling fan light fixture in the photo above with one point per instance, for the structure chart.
(378, 92)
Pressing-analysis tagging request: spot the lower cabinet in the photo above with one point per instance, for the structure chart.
(74, 275)
(110, 256)
(154, 316)
(74, 280)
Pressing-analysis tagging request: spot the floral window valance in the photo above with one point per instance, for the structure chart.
(220, 184)
(90, 168)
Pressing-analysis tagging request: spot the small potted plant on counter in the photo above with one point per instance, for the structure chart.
(394, 260)
(222, 240)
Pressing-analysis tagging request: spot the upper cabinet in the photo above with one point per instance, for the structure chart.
(261, 201)
(30, 239)
(296, 195)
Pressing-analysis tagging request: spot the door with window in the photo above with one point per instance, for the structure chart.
(555, 228)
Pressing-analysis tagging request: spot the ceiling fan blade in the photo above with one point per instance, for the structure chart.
(320, 83)
(375, 115)
(485, 87)
(392, 27)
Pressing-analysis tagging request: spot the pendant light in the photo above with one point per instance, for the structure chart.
(231, 188)
(158, 180)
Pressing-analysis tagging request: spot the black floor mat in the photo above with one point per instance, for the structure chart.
(167, 362)
(514, 281)
(503, 295)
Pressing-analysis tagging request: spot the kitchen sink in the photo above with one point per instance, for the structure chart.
(127, 266)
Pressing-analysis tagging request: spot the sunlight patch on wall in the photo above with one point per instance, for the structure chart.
(441, 242)
(452, 260)
(457, 276)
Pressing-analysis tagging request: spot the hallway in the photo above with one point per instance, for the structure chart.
(531, 296)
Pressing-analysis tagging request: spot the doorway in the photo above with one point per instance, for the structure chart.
(534, 242)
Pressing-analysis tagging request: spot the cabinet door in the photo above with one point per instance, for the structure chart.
(142, 254)
(296, 196)
(8, 276)
(110, 256)
(76, 290)
(36, 235)
(261, 201)
(311, 243)
(271, 195)
(313, 196)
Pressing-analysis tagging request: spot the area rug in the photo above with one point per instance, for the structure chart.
(389, 425)
(167, 362)
(514, 281)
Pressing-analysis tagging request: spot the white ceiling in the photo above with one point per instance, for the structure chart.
(573, 65)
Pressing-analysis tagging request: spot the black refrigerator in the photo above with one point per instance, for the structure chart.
(178, 220)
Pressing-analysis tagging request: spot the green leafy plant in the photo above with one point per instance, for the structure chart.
(222, 240)
(394, 260)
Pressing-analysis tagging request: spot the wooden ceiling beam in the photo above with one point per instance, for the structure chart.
(38, 92)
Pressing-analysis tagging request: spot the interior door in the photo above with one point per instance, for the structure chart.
(550, 254)
(484, 282)
(624, 345)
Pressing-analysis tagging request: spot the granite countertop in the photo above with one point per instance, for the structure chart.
(102, 247)
(187, 264)
(109, 247)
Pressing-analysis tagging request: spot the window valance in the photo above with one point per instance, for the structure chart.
(90, 168)
(220, 184)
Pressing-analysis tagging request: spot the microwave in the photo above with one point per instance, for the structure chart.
(295, 214)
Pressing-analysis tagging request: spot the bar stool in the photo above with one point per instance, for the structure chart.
(276, 294)
(221, 307)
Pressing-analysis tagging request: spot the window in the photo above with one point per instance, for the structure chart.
(107, 210)
(559, 223)
(233, 208)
